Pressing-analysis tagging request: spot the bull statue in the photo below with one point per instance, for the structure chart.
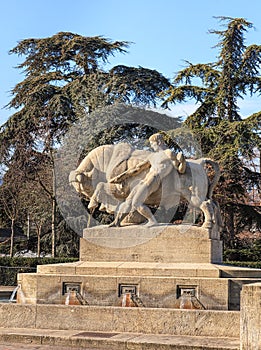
(127, 182)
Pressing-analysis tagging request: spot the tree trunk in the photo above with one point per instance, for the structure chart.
(230, 103)
(53, 227)
(28, 226)
(231, 226)
(259, 191)
(53, 208)
(39, 233)
(12, 239)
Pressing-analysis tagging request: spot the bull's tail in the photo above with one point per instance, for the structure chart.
(214, 181)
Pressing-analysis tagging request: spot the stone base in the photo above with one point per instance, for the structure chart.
(159, 285)
(157, 264)
(162, 243)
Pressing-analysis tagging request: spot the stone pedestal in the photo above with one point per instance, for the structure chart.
(162, 243)
(157, 264)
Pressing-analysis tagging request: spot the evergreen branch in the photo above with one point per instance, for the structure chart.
(206, 72)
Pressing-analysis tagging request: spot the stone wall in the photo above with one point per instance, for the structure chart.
(103, 290)
(122, 319)
(250, 324)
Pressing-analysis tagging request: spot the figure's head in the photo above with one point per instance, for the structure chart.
(157, 142)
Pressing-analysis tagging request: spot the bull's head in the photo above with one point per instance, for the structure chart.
(81, 182)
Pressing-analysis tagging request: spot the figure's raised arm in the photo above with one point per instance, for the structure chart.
(131, 172)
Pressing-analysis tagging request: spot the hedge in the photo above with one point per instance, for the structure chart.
(251, 264)
(243, 254)
(9, 267)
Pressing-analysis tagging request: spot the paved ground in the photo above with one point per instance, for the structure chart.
(46, 339)
(17, 346)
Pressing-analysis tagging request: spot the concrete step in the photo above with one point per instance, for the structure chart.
(114, 341)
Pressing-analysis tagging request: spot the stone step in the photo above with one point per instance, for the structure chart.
(229, 271)
(157, 284)
(114, 341)
(121, 268)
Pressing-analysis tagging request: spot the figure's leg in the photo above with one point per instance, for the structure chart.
(207, 208)
(143, 192)
(217, 214)
(123, 209)
(146, 212)
(94, 201)
(117, 220)
(182, 163)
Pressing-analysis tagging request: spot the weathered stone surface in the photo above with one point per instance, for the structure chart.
(132, 268)
(121, 180)
(168, 244)
(251, 317)
(13, 315)
(28, 292)
(154, 291)
(61, 268)
(176, 258)
(120, 319)
(37, 339)
(37, 287)
(228, 271)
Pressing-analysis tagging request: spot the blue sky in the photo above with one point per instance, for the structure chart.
(164, 33)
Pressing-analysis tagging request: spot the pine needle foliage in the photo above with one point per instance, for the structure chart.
(225, 136)
(65, 79)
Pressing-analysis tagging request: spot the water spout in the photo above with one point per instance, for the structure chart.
(137, 301)
(67, 299)
(190, 301)
(131, 300)
(13, 295)
(126, 300)
(81, 299)
(75, 298)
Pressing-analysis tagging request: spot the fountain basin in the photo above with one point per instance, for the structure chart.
(122, 319)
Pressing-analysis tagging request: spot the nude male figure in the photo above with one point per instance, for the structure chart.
(161, 164)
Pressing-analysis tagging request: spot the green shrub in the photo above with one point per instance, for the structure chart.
(253, 264)
(243, 254)
(10, 267)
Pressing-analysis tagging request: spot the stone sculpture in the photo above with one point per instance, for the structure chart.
(159, 166)
(125, 181)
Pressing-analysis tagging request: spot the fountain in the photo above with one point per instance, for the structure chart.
(13, 295)
(153, 261)
(176, 271)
